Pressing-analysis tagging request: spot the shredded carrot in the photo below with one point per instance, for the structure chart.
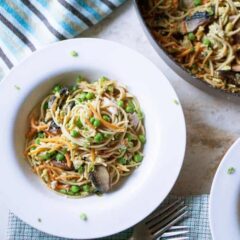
(206, 58)
(183, 27)
(198, 49)
(49, 167)
(33, 125)
(61, 186)
(185, 53)
(93, 154)
(36, 151)
(105, 123)
(170, 44)
(175, 4)
(69, 163)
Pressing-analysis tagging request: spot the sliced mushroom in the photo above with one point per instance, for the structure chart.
(100, 178)
(54, 128)
(192, 23)
(230, 76)
(134, 120)
(64, 91)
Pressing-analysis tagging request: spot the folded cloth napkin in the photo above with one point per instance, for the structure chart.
(197, 222)
(27, 25)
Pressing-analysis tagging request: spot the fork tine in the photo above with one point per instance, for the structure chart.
(179, 238)
(161, 211)
(175, 233)
(162, 215)
(174, 221)
(163, 220)
(178, 227)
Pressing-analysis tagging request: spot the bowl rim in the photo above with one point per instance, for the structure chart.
(112, 45)
(178, 69)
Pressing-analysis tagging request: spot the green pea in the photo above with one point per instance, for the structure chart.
(191, 36)
(106, 118)
(73, 53)
(130, 109)
(98, 138)
(92, 119)
(110, 89)
(81, 170)
(120, 103)
(122, 160)
(83, 216)
(60, 157)
(137, 157)
(46, 156)
(41, 135)
(142, 138)
(74, 189)
(37, 141)
(86, 188)
(74, 133)
(197, 2)
(32, 148)
(207, 42)
(90, 96)
(79, 123)
(96, 123)
(82, 97)
(57, 88)
(129, 137)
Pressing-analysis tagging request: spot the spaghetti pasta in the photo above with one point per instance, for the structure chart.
(84, 139)
(202, 35)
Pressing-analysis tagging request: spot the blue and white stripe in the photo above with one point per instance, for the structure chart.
(26, 25)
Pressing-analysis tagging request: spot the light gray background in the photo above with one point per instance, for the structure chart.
(212, 123)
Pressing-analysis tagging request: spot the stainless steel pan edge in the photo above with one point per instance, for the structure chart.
(180, 70)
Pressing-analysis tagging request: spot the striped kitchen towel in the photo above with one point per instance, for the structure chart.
(27, 25)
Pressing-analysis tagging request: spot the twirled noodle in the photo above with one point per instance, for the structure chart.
(76, 129)
(202, 35)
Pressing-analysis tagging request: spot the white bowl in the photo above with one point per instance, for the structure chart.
(224, 202)
(143, 190)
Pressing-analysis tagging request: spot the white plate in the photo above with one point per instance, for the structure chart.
(143, 191)
(224, 203)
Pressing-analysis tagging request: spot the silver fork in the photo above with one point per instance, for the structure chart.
(161, 223)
